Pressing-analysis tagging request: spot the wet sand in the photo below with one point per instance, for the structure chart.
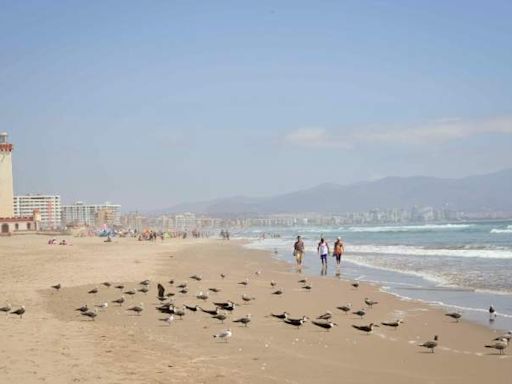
(54, 344)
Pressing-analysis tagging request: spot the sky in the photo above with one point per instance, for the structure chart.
(149, 104)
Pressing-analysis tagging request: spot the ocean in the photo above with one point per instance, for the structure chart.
(463, 267)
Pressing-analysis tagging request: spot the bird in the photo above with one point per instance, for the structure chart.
(102, 305)
(145, 282)
(144, 289)
(93, 291)
(20, 311)
(223, 275)
(325, 316)
(244, 282)
(220, 316)
(210, 311)
(215, 290)
(83, 308)
(171, 281)
(303, 281)
(166, 308)
(365, 328)
(507, 336)
(327, 325)
(179, 312)
(182, 285)
(119, 301)
(57, 287)
(281, 316)
(248, 299)
(202, 296)
(169, 319)
(130, 292)
(228, 305)
(258, 272)
(120, 286)
(431, 344)
(296, 322)
(360, 313)
(223, 335)
(137, 308)
(161, 290)
(278, 292)
(499, 345)
(91, 314)
(106, 284)
(307, 286)
(244, 320)
(370, 303)
(454, 315)
(345, 308)
(6, 308)
(196, 277)
(183, 291)
(192, 308)
(492, 313)
(393, 324)
(355, 284)
(273, 283)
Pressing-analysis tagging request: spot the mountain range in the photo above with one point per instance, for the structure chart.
(481, 193)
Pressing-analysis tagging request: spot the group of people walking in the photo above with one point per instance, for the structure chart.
(323, 251)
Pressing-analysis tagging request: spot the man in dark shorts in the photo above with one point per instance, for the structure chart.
(339, 249)
(298, 251)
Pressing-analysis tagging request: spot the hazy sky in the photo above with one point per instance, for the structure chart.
(152, 103)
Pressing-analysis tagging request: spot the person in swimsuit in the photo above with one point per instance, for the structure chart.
(339, 249)
(298, 251)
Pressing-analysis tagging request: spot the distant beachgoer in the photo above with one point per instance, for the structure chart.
(323, 251)
(339, 249)
(298, 251)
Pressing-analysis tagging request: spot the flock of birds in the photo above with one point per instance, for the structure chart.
(222, 309)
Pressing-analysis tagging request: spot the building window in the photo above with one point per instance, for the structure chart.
(16, 226)
(29, 226)
(5, 228)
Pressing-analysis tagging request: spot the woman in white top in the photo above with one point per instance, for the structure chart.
(323, 251)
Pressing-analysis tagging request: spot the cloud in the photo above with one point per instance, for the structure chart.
(438, 131)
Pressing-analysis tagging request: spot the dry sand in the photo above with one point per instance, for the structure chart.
(54, 344)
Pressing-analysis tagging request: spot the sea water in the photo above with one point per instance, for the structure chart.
(463, 267)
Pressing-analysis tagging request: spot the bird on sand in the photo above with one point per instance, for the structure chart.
(355, 284)
(247, 298)
(102, 306)
(507, 336)
(91, 314)
(296, 322)
(202, 295)
(228, 305)
(220, 316)
(325, 316)
(273, 283)
(196, 277)
(392, 324)
(182, 285)
(360, 313)
(430, 344)
(244, 320)
(307, 287)
(145, 282)
(281, 316)
(244, 282)
(168, 320)
(119, 301)
(180, 312)
(370, 303)
(214, 290)
(161, 290)
(20, 311)
(106, 284)
(144, 289)
(278, 292)
(130, 292)
(183, 291)
(303, 281)
(137, 308)
(210, 311)
(224, 335)
(365, 328)
(192, 308)
(223, 275)
(119, 286)
(83, 308)
(57, 287)
(345, 308)
(6, 308)
(327, 325)
(454, 315)
(499, 345)
(492, 313)
(93, 291)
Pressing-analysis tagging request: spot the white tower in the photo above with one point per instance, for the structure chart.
(6, 185)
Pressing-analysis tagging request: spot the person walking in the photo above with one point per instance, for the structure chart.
(323, 251)
(339, 249)
(298, 252)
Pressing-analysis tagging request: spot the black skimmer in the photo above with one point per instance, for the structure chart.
(296, 322)
(281, 316)
(119, 301)
(454, 315)
(192, 308)
(327, 325)
(91, 314)
(20, 311)
(137, 308)
(392, 324)
(214, 290)
(224, 335)
(171, 281)
(183, 291)
(228, 305)
(365, 328)
(499, 345)
(360, 313)
(106, 284)
(431, 344)
(182, 285)
(278, 292)
(166, 308)
(196, 277)
(145, 283)
(355, 284)
(307, 286)
(244, 320)
(93, 291)
(57, 287)
(325, 316)
(303, 281)
(6, 308)
(144, 289)
(210, 311)
(370, 303)
(130, 292)
(345, 308)
(245, 282)
(120, 286)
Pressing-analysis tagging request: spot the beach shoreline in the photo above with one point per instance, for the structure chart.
(53, 343)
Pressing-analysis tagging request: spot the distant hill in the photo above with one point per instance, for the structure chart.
(482, 193)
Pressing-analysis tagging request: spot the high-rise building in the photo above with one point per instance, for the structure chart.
(49, 207)
(6, 184)
(79, 213)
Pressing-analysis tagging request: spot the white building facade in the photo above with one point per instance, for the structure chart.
(49, 207)
(80, 213)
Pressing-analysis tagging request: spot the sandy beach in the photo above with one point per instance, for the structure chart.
(54, 344)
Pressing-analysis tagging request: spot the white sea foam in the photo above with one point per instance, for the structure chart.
(502, 230)
(412, 228)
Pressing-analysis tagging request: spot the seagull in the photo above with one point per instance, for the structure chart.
(6, 308)
(345, 308)
(210, 311)
(182, 285)
(202, 296)
(83, 308)
(454, 315)
(370, 303)
(360, 313)
(278, 292)
(20, 311)
(355, 285)
(325, 325)
(499, 345)
(145, 283)
(273, 283)
(131, 292)
(183, 291)
(106, 284)
(244, 320)
(192, 308)
(144, 289)
(431, 344)
(179, 312)
(57, 287)
(393, 324)
(93, 291)
(220, 316)
(507, 336)
(169, 319)
(365, 328)
(247, 298)
(102, 305)
(325, 316)
(296, 322)
(137, 308)
(303, 281)
(258, 273)
(119, 301)
(196, 277)
(245, 282)
(90, 314)
(224, 335)
(215, 290)
(492, 313)
(120, 286)
(281, 316)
